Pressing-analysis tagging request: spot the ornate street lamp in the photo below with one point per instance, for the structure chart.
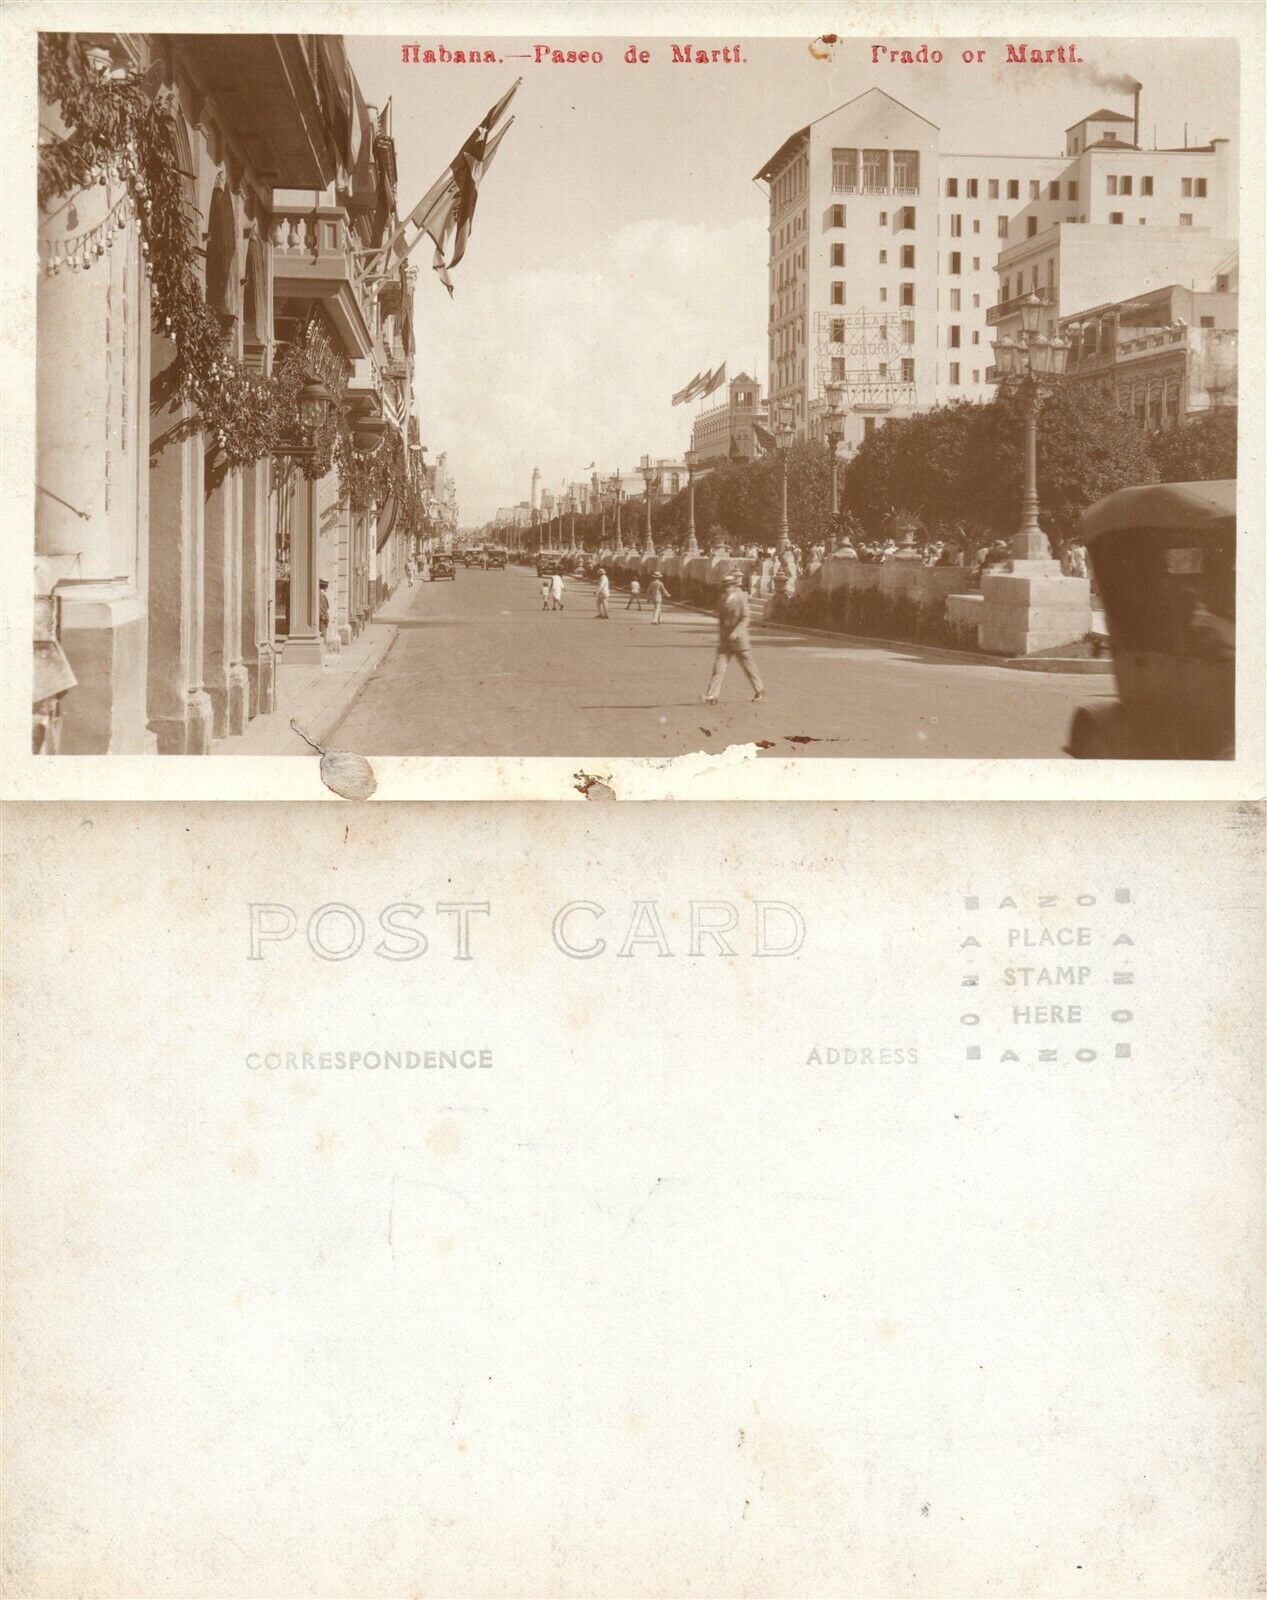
(1032, 363)
(649, 476)
(617, 496)
(315, 401)
(835, 431)
(785, 437)
(692, 543)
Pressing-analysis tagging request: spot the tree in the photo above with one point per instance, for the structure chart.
(1197, 450)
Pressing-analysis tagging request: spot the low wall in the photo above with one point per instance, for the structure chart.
(884, 600)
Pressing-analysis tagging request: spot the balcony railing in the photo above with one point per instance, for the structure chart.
(867, 187)
(1012, 308)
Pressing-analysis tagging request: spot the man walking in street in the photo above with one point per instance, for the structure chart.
(657, 594)
(733, 641)
(635, 594)
(556, 592)
(604, 589)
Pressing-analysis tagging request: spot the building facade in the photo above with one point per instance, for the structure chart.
(1163, 357)
(884, 253)
(186, 584)
(725, 430)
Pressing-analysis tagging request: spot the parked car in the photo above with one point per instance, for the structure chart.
(496, 558)
(442, 567)
(1164, 560)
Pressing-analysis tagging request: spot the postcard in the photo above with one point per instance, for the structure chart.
(517, 1201)
(709, 404)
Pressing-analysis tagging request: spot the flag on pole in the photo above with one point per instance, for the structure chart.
(691, 389)
(766, 442)
(715, 380)
(446, 211)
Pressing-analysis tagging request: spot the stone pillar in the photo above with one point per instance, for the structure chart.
(224, 675)
(341, 588)
(258, 588)
(90, 510)
(303, 643)
(1033, 607)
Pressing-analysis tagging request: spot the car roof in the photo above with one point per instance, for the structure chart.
(1162, 505)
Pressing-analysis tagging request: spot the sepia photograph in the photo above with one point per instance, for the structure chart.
(446, 396)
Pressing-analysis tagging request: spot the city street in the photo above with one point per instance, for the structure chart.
(479, 669)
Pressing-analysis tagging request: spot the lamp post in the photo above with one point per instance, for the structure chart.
(1035, 361)
(692, 543)
(649, 476)
(619, 548)
(835, 428)
(785, 437)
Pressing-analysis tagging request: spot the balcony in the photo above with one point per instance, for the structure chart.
(1006, 309)
(313, 259)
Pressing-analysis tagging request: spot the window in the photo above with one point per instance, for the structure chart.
(1146, 185)
(956, 261)
(838, 369)
(838, 330)
(1071, 190)
(1014, 188)
(908, 294)
(954, 372)
(955, 296)
(1002, 227)
(838, 255)
(1031, 227)
(883, 369)
(976, 302)
(972, 188)
(1200, 188)
(868, 427)
(1186, 188)
(1115, 216)
(838, 293)
(1185, 219)
(884, 294)
(906, 170)
(976, 336)
(884, 258)
(1034, 187)
(1110, 183)
(994, 188)
(875, 171)
(908, 332)
(956, 224)
(908, 369)
(906, 217)
(1005, 290)
(1221, 282)
(976, 224)
(952, 188)
(908, 258)
(1207, 322)
(884, 219)
(837, 217)
(844, 171)
(1126, 184)
(954, 335)
(976, 263)
(1053, 191)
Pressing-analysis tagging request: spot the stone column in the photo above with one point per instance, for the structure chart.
(258, 580)
(89, 516)
(303, 643)
(341, 605)
(224, 676)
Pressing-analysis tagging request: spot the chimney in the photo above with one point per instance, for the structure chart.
(1138, 87)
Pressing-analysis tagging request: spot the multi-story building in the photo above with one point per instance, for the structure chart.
(726, 429)
(1082, 244)
(186, 585)
(884, 253)
(1162, 356)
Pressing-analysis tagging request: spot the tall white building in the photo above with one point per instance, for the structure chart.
(884, 251)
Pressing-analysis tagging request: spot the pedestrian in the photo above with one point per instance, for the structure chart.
(556, 592)
(635, 594)
(657, 594)
(604, 589)
(409, 571)
(733, 641)
(545, 594)
(323, 606)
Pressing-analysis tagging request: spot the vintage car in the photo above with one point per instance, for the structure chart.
(442, 567)
(1164, 560)
(549, 562)
(496, 557)
(470, 558)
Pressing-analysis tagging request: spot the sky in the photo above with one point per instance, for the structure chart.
(619, 243)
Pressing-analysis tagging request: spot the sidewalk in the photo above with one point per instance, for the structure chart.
(318, 697)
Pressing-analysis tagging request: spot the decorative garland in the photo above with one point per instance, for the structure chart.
(122, 132)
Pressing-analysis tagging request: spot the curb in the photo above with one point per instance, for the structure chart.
(322, 731)
(1073, 665)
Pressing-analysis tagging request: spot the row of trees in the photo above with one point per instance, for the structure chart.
(955, 472)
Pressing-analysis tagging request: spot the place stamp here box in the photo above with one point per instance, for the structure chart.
(487, 1260)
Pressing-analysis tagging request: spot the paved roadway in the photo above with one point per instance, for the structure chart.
(478, 669)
